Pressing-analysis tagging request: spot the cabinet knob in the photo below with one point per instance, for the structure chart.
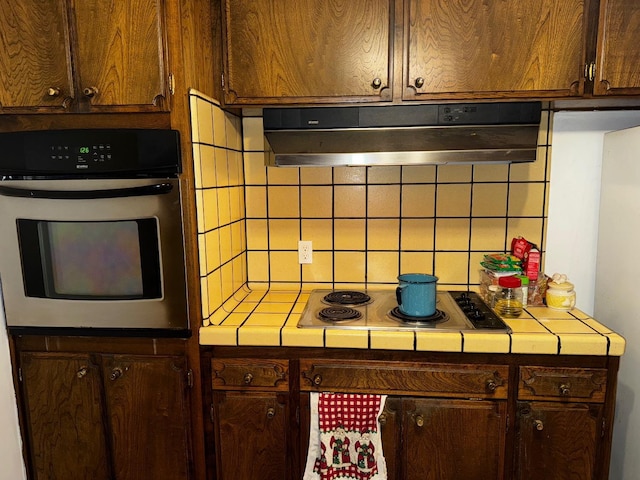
(53, 92)
(377, 83)
(248, 378)
(564, 390)
(419, 82)
(116, 373)
(419, 420)
(382, 419)
(271, 412)
(82, 372)
(491, 385)
(538, 425)
(90, 92)
(317, 379)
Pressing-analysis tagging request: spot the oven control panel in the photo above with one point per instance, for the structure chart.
(90, 151)
(477, 311)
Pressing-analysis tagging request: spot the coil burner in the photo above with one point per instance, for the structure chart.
(346, 297)
(434, 319)
(338, 314)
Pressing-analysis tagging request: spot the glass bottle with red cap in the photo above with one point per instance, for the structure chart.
(509, 299)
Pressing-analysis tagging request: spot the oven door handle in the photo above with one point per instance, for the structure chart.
(157, 189)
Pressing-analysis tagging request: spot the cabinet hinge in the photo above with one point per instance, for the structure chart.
(590, 71)
(211, 414)
(20, 374)
(172, 84)
(604, 427)
(190, 378)
(222, 80)
(507, 429)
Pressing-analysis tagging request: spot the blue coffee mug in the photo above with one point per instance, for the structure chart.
(416, 294)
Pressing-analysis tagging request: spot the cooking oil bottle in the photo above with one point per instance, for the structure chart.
(509, 298)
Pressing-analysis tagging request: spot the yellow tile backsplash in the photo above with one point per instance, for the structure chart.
(367, 224)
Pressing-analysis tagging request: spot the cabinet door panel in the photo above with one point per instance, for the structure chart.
(618, 60)
(149, 416)
(62, 398)
(120, 52)
(34, 56)
(285, 50)
(508, 48)
(252, 435)
(556, 440)
(453, 439)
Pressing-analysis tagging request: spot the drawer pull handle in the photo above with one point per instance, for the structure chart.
(53, 92)
(564, 390)
(271, 412)
(377, 83)
(317, 379)
(90, 92)
(383, 419)
(419, 82)
(82, 372)
(248, 378)
(420, 420)
(491, 385)
(538, 425)
(116, 373)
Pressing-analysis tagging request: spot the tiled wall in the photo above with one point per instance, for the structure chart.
(367, 224)
(217, 150)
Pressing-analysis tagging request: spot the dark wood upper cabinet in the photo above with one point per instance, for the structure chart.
(82, 56)
(35, 57)
(120, 53)
(292, 51)
(617, 66)
(475, 48)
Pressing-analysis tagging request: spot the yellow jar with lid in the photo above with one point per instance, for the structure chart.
(560, 296)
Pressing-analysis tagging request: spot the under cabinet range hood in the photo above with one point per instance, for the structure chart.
(402, 134)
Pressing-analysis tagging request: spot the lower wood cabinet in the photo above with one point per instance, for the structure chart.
(557, 440)
(252, 435)
(446, 416)
(116, 417)
(251, 415)
(561, 423)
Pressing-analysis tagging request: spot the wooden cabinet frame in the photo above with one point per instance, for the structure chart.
(433, 380)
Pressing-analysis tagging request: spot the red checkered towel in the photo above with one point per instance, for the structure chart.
(345, 438)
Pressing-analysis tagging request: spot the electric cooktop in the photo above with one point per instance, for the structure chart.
(378, 310)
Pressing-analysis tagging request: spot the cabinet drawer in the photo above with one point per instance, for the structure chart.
(538, 383)
(250, 373)
(422, 379)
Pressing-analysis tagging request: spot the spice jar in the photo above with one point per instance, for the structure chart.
(509, 299)
(560, 294)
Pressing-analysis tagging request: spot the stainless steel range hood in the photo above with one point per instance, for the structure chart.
(402, 134)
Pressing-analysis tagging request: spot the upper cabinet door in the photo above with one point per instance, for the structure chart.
(494, 49)
(618, 56)
(291, 51)
(120, 54)
(34, 55)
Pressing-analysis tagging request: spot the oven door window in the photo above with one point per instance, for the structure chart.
(109, 260)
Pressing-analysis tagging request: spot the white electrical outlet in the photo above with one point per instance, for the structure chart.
(305, 251)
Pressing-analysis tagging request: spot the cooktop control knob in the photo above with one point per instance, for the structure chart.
(478, 312)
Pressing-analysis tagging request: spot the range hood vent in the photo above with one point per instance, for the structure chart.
(402, 134)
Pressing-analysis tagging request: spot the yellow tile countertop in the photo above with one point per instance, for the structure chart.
(270, 317)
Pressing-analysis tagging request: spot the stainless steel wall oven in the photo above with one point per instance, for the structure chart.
(91, 238)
